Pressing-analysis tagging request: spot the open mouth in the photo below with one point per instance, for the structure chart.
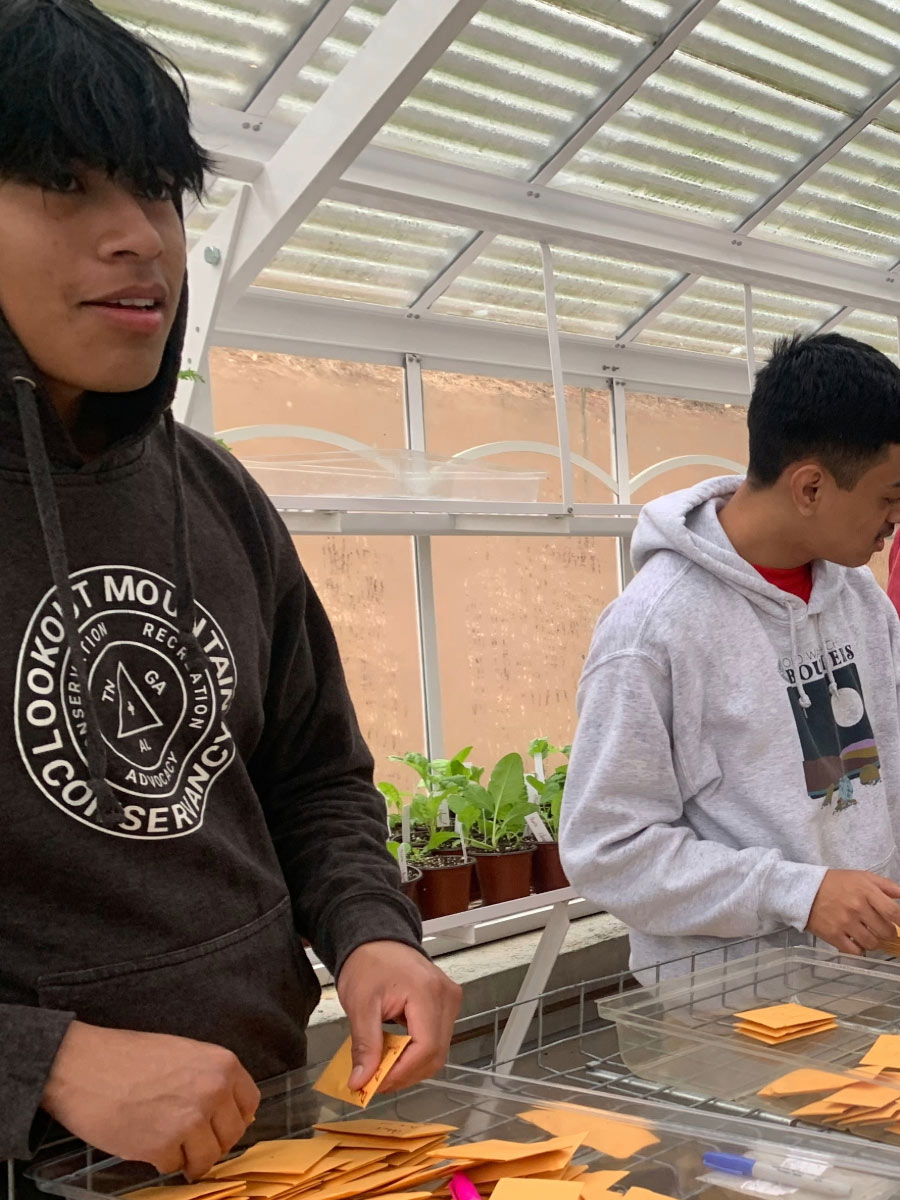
(136, 315)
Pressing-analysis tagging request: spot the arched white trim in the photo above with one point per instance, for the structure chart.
(491, 448)
(684, 460)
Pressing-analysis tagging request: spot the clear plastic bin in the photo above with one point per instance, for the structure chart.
(681, 1031)
(392, 473)
(482, 1106)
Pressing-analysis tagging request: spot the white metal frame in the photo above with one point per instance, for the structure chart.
(659, 52)
(399, 51)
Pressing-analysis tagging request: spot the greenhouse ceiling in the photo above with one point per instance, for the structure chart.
(390, 169)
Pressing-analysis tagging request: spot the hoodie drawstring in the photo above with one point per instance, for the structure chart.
(804, 700)
(109, 809)
(820, 638)
(185, 605)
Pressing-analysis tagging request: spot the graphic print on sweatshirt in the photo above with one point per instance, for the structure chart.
(161, 721)
(840, 757)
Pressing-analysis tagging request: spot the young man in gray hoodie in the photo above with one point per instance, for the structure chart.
(736, 768)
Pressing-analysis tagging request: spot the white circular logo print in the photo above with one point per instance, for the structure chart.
(162, 722)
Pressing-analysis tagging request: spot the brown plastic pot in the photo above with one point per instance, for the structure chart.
(444, 888)
(456, 852)
(411, 887)
(548, 872)
(504, 876)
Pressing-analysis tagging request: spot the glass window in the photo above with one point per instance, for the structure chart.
(368, 588)
(515, 617)
(466, 411)
(362, 401)
(662, 428)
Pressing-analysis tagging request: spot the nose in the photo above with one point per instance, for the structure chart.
(128, 230)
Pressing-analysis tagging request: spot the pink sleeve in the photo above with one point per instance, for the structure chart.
(893, 587)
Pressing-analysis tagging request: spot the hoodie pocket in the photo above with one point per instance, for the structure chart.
(251, 990)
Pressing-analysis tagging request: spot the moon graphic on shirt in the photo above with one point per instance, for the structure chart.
(848, 707)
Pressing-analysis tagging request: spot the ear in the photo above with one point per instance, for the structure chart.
(807, 483)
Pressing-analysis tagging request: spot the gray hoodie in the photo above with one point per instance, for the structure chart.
(733, 742)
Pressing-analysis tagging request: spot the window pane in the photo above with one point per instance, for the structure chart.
(362, 401)
(368, 588)
(662, 427)
(515, 617)
(464, 411)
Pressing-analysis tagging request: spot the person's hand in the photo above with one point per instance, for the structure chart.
(854, 910)
(178, 1104)
(388, 981)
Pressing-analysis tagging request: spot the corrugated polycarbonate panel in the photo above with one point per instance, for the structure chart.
(851, 207)
(521, 78)
(330, 59)
(225, 48)
(594, 296)
(755, 92)
(875, 328)
(710, 319)
(349, 253)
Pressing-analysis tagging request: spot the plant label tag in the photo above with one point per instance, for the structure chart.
(533, 795)
(457, 825)
(539, 767)
(538, 828)
(404, 865)
(444, 819)
(405, 825)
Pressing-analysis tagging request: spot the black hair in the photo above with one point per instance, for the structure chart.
(78, 88)
(825, 397)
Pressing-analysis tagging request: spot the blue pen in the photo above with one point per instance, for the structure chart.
(749, 1168)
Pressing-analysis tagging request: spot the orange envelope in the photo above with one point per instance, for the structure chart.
(785, 1016)
(394, 1130)
(333, 1080)
(596, 1185)
(188, 1191)
(496, 1151)
(620, 1138)
(291, 1157)
(802, 1082)
(760, 1035)
(885, 1052)
(535, 1189)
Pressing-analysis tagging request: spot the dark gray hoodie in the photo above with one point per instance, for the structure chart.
(184, 789)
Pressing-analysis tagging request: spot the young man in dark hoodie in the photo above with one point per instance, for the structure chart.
(185, 790)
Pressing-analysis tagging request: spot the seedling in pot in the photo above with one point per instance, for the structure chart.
(499, 810)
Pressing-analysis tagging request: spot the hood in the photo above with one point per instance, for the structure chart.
(34, 440)
(129, 416)
(687, 523)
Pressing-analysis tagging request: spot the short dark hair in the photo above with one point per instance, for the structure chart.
(826, 397)
(77, 87)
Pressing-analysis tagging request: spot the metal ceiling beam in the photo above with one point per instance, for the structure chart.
(617, 99)
(843, 313)
(405, 183)
(765, 210)
(398, 53)
(285, 323)
(292, 62)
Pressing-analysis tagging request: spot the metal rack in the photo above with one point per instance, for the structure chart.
(558, 1037)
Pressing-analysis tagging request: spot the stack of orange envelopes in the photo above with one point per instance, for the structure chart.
(867, 1095)
(783, 1023)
